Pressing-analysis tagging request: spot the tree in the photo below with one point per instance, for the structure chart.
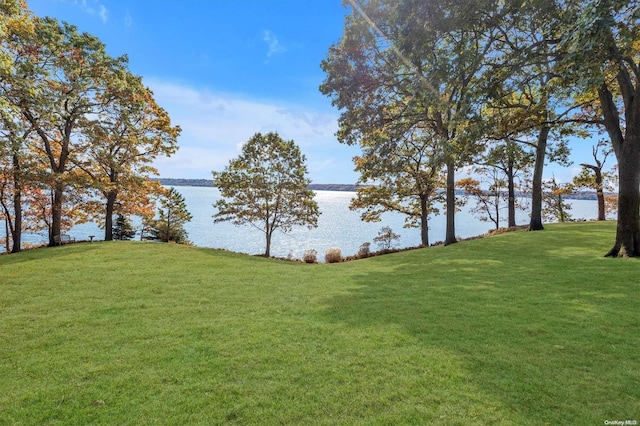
(404, 179)
(490, 202)
(266, 187)
(525, 81)
(172, 216)
(603, 54)
(16, 25)
(70, 69)
(554, 205)
(122, 228)
(128, 134)
(412, 64)
(386, 238)
(593, 177)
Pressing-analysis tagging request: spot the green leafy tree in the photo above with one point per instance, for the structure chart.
(172, 216)
(525, 87)
(121, 142)
(266, 187)
(603, 54)
(555, 206)
(400, 176)
(409, 64)
(122, 228)
(71, 70)
(507, 164)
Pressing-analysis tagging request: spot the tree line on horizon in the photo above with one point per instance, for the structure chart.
(427, 89)
(78, 131)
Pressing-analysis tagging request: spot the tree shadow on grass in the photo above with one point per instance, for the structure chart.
(523, 339)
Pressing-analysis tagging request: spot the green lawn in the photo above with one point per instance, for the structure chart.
(520, 328)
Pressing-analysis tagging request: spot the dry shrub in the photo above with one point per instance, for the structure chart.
(310, 256)
(364, 251)
(333, 255)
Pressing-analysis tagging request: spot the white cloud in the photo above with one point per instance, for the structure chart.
(92, 8)
(274, 46)
(215, 125)
(128, 20)
(103, 14)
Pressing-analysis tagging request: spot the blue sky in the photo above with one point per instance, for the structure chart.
(226, 69)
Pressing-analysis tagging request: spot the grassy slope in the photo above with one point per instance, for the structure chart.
(521, 328)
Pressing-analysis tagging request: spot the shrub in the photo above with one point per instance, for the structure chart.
(364, 250)
(310, 256)
(333, 255)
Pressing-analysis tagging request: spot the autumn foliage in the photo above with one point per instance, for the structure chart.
(78, 131)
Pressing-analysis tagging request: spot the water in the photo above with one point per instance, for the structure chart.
(337, 227)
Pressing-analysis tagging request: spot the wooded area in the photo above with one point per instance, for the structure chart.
(427, 89)
(79, 130)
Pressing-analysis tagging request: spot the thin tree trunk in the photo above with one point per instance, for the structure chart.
(600, 195)
(511, 201)
(536, 191)
(17, 206)
(424, 220)
(450, 235)
(6, 235)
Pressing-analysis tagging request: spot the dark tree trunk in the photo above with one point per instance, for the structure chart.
(600, 195)
(17, 206)
(511, 202)
(450, 236)
(17, 221)
(108, 219)
(627, 149)
(628, 230)
(536, 191)
(267, 251)
(424, 220)
(56, 213)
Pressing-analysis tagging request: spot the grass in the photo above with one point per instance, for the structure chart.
(521, 328)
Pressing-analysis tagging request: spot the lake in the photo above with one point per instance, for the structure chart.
(337, 227)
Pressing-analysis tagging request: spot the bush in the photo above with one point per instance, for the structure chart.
(333, 255)
(364, 250)
(310, 256)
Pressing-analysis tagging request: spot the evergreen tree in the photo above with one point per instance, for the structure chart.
(122, 229)
(173, 215)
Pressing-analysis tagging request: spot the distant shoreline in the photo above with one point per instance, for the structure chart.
(346, 187)
(209, 183)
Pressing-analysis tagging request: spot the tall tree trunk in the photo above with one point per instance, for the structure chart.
(56, 213)
(627, 150)
(17, 221)
(600, 195)
(6, 235)
(424, 220)
(17, 206)
(450, 235)
(628, 230)
(511, 196)
(535, 223)
(108, 218)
